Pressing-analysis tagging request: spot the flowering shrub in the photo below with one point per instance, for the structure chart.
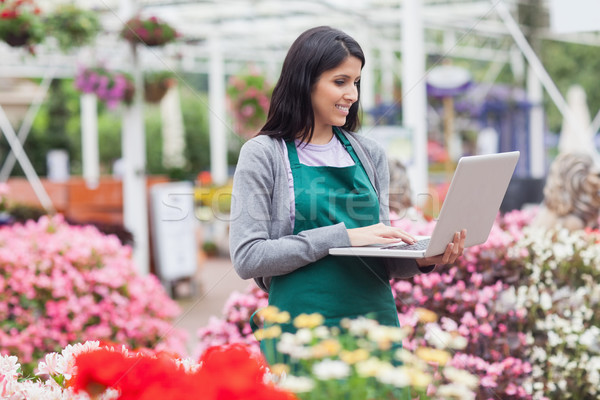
(108, 372)
(525, 302)
(110, 87)
(61, 284)
(150, 31)
(358, 360)
(235, 327)
(20, 23)
(249, 100)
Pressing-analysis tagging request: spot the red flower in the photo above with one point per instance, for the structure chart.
(99, 370)
(227, 373)
(233, 373)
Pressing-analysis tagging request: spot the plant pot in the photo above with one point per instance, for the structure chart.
(17, 39)
(155, 91)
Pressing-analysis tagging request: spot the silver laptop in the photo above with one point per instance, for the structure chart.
(472, 203)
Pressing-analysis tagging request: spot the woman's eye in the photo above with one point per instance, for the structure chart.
(356, 83)
(338, 82)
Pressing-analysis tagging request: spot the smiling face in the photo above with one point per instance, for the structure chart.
(332, 95)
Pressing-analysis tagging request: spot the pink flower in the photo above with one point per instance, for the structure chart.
(481, 311)
(486, 329)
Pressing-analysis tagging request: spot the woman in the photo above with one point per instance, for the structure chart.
(307, 183)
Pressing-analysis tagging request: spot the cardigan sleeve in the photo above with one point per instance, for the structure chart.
(255, 254)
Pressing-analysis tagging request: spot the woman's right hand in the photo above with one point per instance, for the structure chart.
(378, 234)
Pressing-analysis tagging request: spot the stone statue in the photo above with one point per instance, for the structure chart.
(571, 194)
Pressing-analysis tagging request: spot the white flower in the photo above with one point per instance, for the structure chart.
(53, 364)
(545, 301)
(331, 369)
(9, 366)
(436, 336)
(303, 336)
(360, 326)
(538, 354)
(297, 384)
(188, 365)
(461, 376)
(393, 376)
(455, 391)
(371, 367)
(554, 339)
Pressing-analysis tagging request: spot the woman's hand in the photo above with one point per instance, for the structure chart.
(378, 234)
(453, 251)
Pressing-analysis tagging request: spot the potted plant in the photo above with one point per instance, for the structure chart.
(156, 85)
(149, 31)
(112, 87)
(72, 26)
(20, 23)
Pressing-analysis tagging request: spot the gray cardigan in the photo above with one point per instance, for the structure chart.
(262, 243)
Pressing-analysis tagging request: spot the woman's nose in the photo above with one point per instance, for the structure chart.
(352, 93)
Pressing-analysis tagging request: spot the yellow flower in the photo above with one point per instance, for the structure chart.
(282, 317)
(280, 369)
(428, 354)
(308, 320)
(326, 348)
(425, 315)
(352, 357)
(268, 333)
(268, 314)
(418, 378)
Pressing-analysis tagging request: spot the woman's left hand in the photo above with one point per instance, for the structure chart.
(453, 251)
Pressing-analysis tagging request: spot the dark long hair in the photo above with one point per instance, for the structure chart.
(315, 51)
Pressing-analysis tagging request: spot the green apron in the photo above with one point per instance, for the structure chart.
(335, 287)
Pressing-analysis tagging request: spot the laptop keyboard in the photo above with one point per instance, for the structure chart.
(420, 245)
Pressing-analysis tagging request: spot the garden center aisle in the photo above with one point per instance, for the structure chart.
(215, 281)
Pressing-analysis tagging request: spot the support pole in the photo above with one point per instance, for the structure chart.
(216, 98)
(387, 67)
(135, 203)
(414, 95)
(537, 166)
(21, 157)
(89, 140)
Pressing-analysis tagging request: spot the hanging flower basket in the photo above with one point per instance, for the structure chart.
(249, 100)
(111, 87)
(17, 40)
(72, 26)
(20, 23)
(157, 84)
(149, 31)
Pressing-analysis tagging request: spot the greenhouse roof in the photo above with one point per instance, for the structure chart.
(260, 31)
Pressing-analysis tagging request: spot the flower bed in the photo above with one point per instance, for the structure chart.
(62, 284)
(526, 302)
(353, 363)
(89, 370)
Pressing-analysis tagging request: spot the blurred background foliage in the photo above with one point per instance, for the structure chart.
(57, 125)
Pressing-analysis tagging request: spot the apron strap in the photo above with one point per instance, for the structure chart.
(292, 154)
(253, 319)
(344, 140)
